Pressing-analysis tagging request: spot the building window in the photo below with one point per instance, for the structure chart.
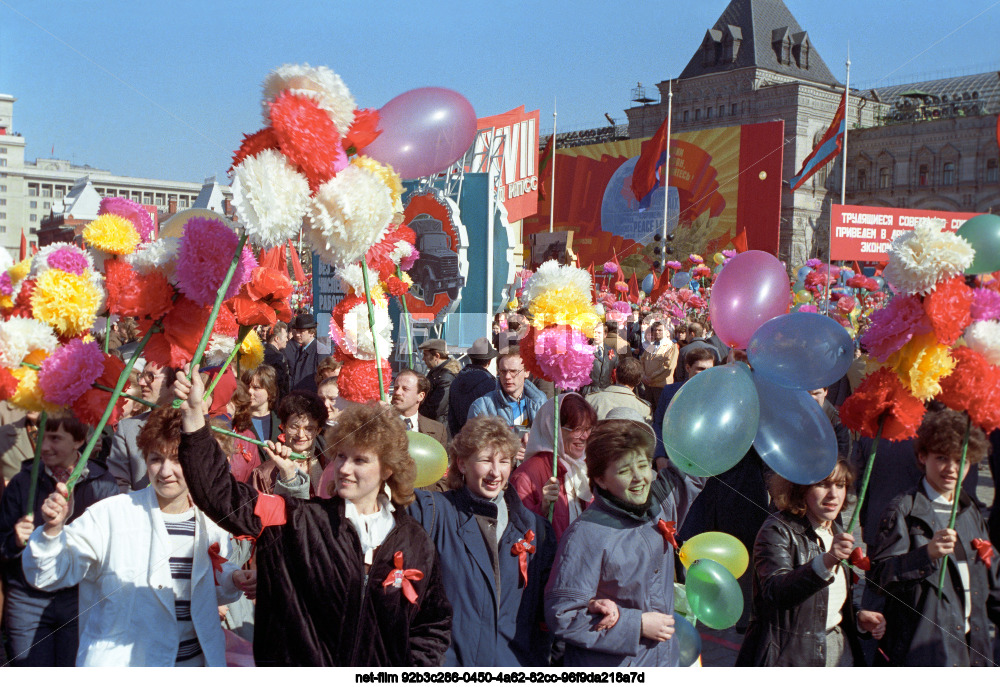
(862, 180)
(733, 109)
(46, 192)
(33, 218)
(3, 228)
(948, 173)
(3, 162)
(3, 188)
(3, 151)
(160, 202)
(33, 204)
(991, 170)
(33, 190)
(922, 173)
(46, 205)
(708, 113)
(685, 117)
(3, 201)
(3, 215)
(697, 114)
(883, 177)
(183, 202)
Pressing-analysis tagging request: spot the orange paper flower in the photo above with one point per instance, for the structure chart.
(882, 394)
(263, 300)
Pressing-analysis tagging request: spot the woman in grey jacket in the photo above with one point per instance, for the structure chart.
(621, 551)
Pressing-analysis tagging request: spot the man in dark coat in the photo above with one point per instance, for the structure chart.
(474, 381)
(441, 372)
(304, 352)
(605, 361)
(274, 355)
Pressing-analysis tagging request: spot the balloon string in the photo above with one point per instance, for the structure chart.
(954, 502)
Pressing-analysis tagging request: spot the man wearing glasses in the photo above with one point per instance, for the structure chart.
(516, 400)
(126, 462)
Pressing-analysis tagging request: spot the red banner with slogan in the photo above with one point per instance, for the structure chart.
(864, 233)
(508, 143)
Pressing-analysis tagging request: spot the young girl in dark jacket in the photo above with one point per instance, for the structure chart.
(913, 539)
(802, 612)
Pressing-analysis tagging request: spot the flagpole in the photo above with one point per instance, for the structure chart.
(843, 171)
(666, 162)
(552, 191)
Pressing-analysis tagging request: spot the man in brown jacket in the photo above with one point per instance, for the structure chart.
(659, 360)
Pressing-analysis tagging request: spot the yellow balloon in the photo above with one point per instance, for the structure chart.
(430, 457)
(803, 296)
(719, 258)
(724, 549)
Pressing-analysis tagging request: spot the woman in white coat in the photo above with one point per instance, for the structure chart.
(151, 567)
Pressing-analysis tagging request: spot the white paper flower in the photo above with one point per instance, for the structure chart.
(552, 275)
(347, 216)
(271, 197)
(320, 84)
(358, 335)
(919, 259)
(160, 254)
(19, 336)
(6, 260)
(352, 276)
(984, 338)
(219, 348)
(402, 250)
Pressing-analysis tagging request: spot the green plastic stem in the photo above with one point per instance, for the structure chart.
(255, 442)
(225, 365)
(36, 465)
(371, 326)
(555, 450)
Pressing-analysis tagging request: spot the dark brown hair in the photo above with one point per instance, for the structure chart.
(575, 412)
(614, 439)
(696, 354)
(629, 372)
(942, 432)
(423, 384)
(302, 402)
(69, 424)
(789, 497)
(161, 432)
(481, 432)
(328, 367)
(267, 378)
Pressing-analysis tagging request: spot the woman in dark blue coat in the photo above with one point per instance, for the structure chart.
(495, 554)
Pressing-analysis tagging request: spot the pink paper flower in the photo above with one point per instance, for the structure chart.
(68, 260)
(70, 371)
(674, 265)
(808, 307)
(203, 258)
(985, 305)
(133, 212)
(621, 286)
(610, 267)
(564, 356)
(696, 259)
(623, 307)
(407, 263)
(894, 325)
(814, 263)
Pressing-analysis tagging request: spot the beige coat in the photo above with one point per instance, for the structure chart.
(618, 396)
(658, 363)
(15, 447)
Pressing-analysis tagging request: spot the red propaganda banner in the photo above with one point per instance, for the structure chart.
(863, 233)
(508, 143)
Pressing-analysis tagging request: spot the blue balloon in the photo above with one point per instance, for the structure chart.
(880, 281)
(647, 284)
(688, 641)
(680, 280)
(845, 274)
(803, 271)
(712, 421)
(801, 350)
(794, 436)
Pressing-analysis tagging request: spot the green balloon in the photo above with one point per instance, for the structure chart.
(983, 232)
(430, 457)
(714, 594)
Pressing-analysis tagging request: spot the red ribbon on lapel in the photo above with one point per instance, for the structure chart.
(984, 549)
(521, 549)
(860, 560)
(668, 530)
(400, 578)
(271, 511)
(217, 560)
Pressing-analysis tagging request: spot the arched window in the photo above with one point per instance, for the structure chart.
(883, 177)
(948, 173)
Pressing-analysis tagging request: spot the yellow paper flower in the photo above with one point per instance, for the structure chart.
(920, 364)
(20, 270)
(407, 279)
(251, 352)
(68, 302)
(386, 175)
(565, 305)
(112, 234)
(28, 396)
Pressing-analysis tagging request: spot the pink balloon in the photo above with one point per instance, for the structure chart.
(750, 290)
(424, 131)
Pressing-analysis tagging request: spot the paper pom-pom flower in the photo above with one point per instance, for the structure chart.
(89, 407)
(920, 364)
(348, 216)
(265, 139)
(206, 251)
(386, 175)
(112, 234)
(264, 299)
(395, 286)
(308, 138)
(67, 302)
(135, 295)
(552, 275)
(395, 244)
(353, 277)
(882, 394)
(62, 256)
(894, 325)
(320, 84)
(696, 259)
(358, 335)
(611, 268)
(984, 338)
(28, 395)
(271, 197)
(621, 287)
(70, 371)
(8, 384)
(674, 264)
(159, 255)
(133, 212)
(363, 131)
(974, 387)
(19, 336)
(217, 351)
(948, 308)
(564, 305)
(406, 263)
(921, 258)
(358, 381)
(251, 352)
(985, 304)
(564, 356)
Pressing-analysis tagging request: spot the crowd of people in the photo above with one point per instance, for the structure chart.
(551, 539)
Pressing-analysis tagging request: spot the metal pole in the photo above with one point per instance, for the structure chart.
(552, 191)
(666, 163)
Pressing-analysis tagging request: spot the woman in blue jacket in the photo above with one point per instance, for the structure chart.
(495, 553)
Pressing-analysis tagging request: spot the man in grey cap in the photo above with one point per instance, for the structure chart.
(441, 371)
(472, 382)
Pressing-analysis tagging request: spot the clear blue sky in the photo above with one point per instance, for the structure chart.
(165, 89)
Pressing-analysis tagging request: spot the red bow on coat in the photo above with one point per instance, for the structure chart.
(984, 549)
(860, 560)
(668, 530)
(217, 561)
(400, 578)
(521, 549)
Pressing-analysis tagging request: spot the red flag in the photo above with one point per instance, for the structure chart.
(544, 162)
(300, 276)
(654, 153)
(662, 284)
(740, 241)
(827, 149)
(857, 268)
(633, 289)
(275, 259)
(24, 245)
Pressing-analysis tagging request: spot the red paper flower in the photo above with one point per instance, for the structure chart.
(858, 281)
(262, 300)
(265, 139)
(379, 256)
(527, 347)
(90, 407)
(882, 394)
(308, 138)
(22, 305)
(949, 308)
(358, 379)
(8, 384)
(182, 330)
(363, 131)
(133, 295)
(973, 387)
(395, 286)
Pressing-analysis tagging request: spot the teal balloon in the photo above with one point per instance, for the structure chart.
(712, 421)
(801, 350)
(714, 594)
(688, 641)
(983, 232)
(794, 436)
